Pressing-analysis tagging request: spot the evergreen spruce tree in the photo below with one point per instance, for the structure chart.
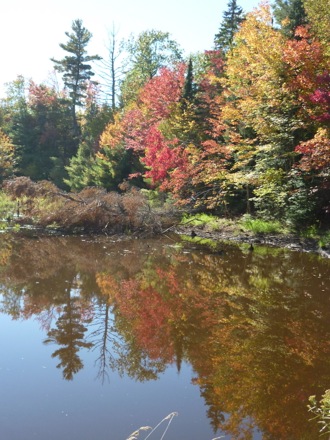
(75, 67)
(231, 19)
(188, 93)
(80, 170)
(289, 14)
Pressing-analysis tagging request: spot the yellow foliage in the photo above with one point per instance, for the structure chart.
(255, 72)
(108, 285)
(113, 133)
(319, 17)
(7, 155)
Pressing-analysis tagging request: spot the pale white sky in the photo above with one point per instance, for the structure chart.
(31, 30)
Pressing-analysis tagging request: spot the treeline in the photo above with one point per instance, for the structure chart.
(242, 128)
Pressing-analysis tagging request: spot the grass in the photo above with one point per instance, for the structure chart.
(209, 222)
(260, 226)
(246, 223)
(310, 232)
(199, 220)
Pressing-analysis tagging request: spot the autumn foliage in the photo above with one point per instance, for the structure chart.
(244, 130)
(263, 109)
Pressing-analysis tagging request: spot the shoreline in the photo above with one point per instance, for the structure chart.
(291, 242)
(228, 234)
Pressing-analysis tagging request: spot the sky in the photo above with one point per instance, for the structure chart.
(31, 30)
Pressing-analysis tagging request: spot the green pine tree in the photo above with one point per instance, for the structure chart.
(75, 67)
(231, 19)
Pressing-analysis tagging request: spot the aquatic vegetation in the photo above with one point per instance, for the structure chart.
(321, 411)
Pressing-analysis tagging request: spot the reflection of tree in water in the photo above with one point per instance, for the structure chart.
(269, 350)
(116, 344)
(11, 301)
(257, 339)
(254, 326)
(69, 335)
(104, 338)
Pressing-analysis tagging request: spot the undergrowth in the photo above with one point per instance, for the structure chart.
(90, 210)
(245, 223)
(94, 210)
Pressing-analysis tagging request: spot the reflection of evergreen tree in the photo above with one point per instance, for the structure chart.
(254, 326)
(178, 351)
(69, 335)
(104, 336)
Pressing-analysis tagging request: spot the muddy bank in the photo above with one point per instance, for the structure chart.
(291, 242)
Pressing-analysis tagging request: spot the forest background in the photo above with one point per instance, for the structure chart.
(240, 129)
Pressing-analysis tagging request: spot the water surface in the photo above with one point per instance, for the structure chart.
(100, 336)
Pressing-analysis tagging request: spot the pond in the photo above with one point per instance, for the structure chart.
(100, 336)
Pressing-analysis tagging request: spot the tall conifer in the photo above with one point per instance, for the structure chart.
(231, 19)
(188, 88)
(75, 67)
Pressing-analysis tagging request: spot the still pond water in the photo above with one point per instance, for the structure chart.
(100, 336)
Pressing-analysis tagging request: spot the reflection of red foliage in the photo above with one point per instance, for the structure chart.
(160, 314)
(144, 309)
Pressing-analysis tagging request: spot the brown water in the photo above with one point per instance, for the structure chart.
(99, 337)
